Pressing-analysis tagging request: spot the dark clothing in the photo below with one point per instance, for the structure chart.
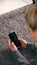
(24, 57)
(21, 60)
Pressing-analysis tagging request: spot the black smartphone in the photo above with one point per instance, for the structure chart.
(13, 37)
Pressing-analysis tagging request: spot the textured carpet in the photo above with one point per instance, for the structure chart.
(12, 21)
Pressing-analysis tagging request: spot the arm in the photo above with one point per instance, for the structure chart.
(19, 59)
(29, 45)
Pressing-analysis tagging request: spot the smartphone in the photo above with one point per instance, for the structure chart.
(13, 37)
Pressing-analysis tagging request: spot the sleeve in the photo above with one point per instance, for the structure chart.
(20, 59)
(36, 45)
(32, 45)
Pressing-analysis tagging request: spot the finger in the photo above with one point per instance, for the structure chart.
(22, 40)
(9, 42)
(13, 44)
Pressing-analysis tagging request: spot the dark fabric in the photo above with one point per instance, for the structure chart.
(20, 59)
(23, 57)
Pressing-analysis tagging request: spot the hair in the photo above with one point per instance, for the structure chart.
(33, 1)
(31, 16)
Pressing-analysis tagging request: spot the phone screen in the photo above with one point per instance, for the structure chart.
(13, 37)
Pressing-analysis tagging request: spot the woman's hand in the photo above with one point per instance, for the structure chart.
(12, 46)
(23, 43)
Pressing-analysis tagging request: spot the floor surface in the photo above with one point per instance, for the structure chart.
(8, 5)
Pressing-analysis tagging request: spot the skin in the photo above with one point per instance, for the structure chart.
(22, 41)
(33, 34)
(13, 47)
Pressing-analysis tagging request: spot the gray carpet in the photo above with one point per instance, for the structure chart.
(13, 21)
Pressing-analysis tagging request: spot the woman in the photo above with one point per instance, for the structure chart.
(31, 17)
